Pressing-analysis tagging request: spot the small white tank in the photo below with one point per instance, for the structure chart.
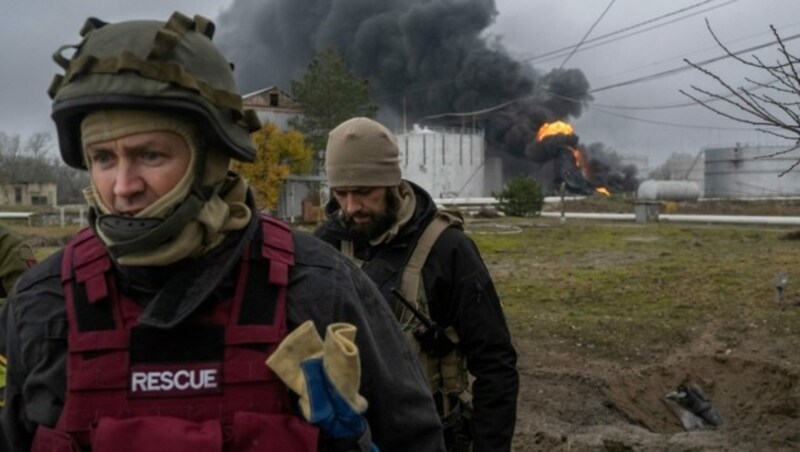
(668, 190)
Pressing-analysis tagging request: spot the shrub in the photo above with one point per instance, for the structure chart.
(521, 197)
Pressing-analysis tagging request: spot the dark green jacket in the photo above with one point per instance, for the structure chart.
(15, 258)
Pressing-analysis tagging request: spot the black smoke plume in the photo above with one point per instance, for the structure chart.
(427, 59)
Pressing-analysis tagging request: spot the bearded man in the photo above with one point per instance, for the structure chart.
(414, 252)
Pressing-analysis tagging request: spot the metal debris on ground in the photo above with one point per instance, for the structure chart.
(691, 406)
(781, 280)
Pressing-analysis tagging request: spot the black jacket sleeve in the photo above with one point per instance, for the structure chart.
(12, 261)
(35, 331)
(324, 287)
(461, 294)
(401, 413)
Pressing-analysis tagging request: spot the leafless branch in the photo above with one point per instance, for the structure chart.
(775, 110)
(729, 52)
(775, 134)
(778, 153)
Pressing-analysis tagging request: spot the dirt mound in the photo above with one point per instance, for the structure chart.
(599, 406)
(747, 391)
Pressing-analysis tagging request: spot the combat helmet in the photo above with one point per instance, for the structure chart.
(147, 64)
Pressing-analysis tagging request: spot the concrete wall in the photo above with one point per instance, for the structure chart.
(299, 195)
(279, 118)
(448, 163)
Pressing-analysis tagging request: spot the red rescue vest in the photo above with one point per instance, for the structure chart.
(201, 386)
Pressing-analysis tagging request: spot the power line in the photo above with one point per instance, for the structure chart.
(557, 53)
(575, 48)
(428, 84)
(477, 112)
(752, 87)
(625, 83)
(685, 55)
(686, 67)
(665, 123)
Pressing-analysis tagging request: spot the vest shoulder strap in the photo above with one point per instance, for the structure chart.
(88, 258)
(346, 247)
(277, 246)
(412, 272)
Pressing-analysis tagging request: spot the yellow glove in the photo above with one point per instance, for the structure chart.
(342, 365)
(325, 376)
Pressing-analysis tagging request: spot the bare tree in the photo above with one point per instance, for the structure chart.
(33, 161)
(39, 145)
(9, 146)
(28, 162)
(774, 110)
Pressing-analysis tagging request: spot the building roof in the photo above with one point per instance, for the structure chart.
(263, 100)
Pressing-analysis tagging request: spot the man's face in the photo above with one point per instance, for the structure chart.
(365, 209)
(132, 172)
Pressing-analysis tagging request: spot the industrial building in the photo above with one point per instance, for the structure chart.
(448, 163)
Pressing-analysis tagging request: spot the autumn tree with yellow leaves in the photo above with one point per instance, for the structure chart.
(278, 154)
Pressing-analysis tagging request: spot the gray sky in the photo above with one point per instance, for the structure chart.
(31, 30)
(530, 29)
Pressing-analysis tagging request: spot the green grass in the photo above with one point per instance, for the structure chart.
(45, 240)
(622, 289)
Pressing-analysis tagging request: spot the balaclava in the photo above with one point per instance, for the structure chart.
(186, 222)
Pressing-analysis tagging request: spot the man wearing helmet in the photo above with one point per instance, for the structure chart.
(414, 252)
(151, 329)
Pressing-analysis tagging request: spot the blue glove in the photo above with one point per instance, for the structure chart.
(326, 377)
(328, 409)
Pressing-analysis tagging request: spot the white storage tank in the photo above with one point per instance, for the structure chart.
(751, 172)
(668, 190)
(447, 163)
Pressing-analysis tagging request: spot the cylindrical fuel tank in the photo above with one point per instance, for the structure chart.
(668, 190)
(751, 172)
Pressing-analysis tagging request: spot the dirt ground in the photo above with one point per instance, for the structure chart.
(580, 403)
(596, 405)
(592, 402)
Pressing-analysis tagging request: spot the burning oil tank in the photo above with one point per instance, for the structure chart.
(447, 163)
(668, 190)
(750, 172)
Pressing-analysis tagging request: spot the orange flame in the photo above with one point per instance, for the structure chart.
(562, 128)
(554, 128)
(580, 160)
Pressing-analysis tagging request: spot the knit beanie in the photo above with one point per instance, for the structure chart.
(362, 153)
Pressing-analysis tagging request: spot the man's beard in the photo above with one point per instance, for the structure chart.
(377, 224)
